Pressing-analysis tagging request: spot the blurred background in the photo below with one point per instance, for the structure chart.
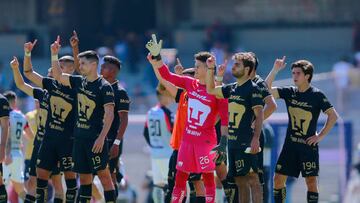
(326, 32)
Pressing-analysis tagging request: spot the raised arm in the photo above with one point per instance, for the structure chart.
(279, 64)
(56, 70)
(270, 106)
(28, 69)
(19, 81)
(210, 84)
(74, 42)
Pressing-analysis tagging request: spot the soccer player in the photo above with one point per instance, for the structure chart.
(157, 133)
(4, 124)
(13, 170)
(269, 108)
(43, 98)
(59, 128)
(245, 102)
(109, 70)
(199, 131)
(300, 152)
(95, 113)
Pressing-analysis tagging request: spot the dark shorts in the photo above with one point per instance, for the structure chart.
(55, 152)
(87, 162)
(241, 163)
(295, 158)
(33, 161)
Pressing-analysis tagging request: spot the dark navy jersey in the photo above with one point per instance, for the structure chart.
(61, 118)
(4, 107)
(303, 111)
(91, 98)
(43, 97)
(122, 104)
(242, 99)
(264, 90)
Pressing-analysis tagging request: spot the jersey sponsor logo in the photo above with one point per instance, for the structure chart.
(254, 95)
(302, 104)
(63, 95)
(192, 132)
(236, 98)
(199, 96)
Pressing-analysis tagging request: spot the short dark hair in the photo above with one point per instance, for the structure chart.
(67, 58)
(247, 59)
(202, 56)
(306, 66)
(89, 55)
(112, 60)
(255, 58)
(10, 96)
(189, 71)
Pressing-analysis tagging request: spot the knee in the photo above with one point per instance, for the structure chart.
(42, 174)
(85, 179)
(199, 187)
(105, 179)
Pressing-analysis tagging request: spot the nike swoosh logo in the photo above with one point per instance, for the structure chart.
(203, 167)
(308, 172)
(96, 167)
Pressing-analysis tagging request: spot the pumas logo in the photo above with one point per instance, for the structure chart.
(209, 199)
(278, 167)
(180, 163)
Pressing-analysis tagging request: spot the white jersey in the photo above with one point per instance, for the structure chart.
(18, 123)
(159, 127)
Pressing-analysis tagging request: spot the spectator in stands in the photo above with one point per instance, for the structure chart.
(219, 33)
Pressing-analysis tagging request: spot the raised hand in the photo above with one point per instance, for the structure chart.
(279, 64)
(14, 63)
(222, 69)
(153, 46)
(211, 62)
(55, 47)
(178, 67)
(28, 46)
(74, 40)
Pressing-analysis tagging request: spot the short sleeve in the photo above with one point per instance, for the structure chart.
(226, 90)
(264, 90)
(124, 103)
(4, 107)
(107, 94)
(256, 98)
(38, 93)
(178, 95)
(284, 92)
(48, 83)
(75, 81)
(325, 105)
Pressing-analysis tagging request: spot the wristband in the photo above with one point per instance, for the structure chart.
(117, 142)
(28, 54)
(54, 58)
(219, 78)
(158, 57)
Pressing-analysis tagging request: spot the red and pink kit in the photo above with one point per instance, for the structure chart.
(199, 135)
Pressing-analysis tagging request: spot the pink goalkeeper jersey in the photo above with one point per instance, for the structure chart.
(202, 109)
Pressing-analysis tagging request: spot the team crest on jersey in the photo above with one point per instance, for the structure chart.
(180, 163)
(278, 167)
(38, 161)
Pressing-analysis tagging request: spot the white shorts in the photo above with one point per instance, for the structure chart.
(160, 169)
(15, 170)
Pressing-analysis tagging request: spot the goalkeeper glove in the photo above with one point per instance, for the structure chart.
(220, 149)
(154, 47)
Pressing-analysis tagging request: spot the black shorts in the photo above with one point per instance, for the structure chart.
(55, 152)
(87, 162)
(241, 163)
(33, 161)
(295, 158)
